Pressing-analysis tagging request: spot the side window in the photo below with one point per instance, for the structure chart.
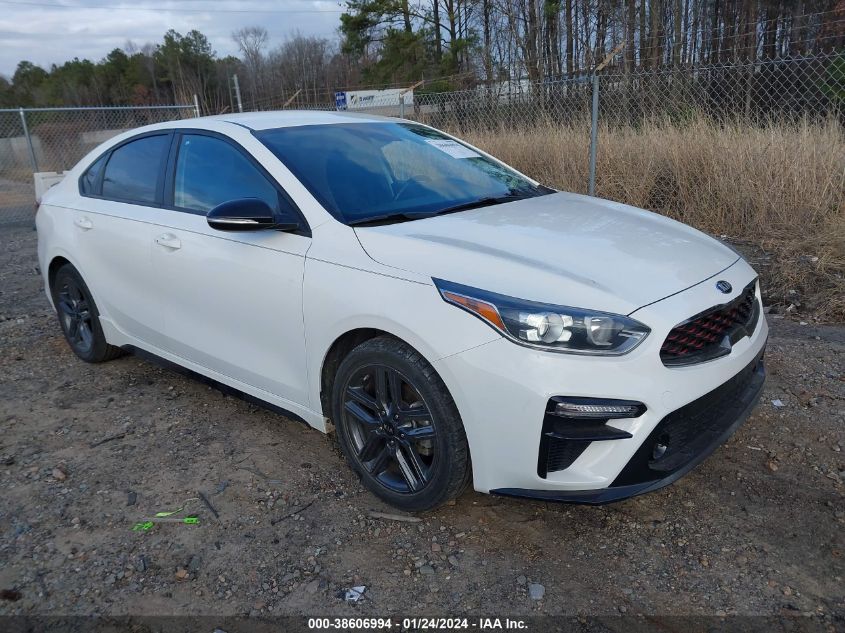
(210, 171)
(133, 170)
(89, 184)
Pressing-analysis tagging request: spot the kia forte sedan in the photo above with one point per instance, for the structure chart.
(448, 318)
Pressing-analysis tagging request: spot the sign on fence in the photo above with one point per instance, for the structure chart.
(367, 99)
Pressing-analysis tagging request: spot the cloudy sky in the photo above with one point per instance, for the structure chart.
(53, 31)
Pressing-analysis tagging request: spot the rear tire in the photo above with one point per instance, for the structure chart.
(79, 317)
(398, 426)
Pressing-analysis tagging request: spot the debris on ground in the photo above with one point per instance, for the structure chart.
(395, 517)
(12, 595)
(116, 436)
(208, 504)
(354, 594)
(536, 591)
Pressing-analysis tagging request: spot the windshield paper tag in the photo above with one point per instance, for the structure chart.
(453, 148)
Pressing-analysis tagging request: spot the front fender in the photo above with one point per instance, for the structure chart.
(338, 299)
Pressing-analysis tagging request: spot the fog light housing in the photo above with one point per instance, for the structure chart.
(596, 409)
(571, 424)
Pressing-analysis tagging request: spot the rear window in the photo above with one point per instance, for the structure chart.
(133, 170)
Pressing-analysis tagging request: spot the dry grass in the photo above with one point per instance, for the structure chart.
(779, 188)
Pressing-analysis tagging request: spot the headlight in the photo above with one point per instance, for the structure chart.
(549, 327)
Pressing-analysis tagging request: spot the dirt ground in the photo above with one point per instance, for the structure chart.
(755, 530)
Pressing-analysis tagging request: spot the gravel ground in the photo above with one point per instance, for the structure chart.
(16, 203)
(88, 450)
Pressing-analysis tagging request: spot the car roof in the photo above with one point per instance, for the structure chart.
(291, 118)
(253, 121)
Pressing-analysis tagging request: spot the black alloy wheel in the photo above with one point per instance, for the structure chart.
(391, 428)
(79, 317)
(75, 315)
(398, 426)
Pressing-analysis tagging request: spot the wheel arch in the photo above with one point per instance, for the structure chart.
(334, 356)
(55, 263)
(344, 344)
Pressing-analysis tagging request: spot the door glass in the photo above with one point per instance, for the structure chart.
(133, 170)
(210, 171)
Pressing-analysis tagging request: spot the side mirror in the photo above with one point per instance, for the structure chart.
(246, 214)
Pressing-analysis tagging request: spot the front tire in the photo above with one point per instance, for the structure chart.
(79, 317)
(398, 426)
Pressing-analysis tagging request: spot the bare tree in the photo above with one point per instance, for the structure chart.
(251, 41)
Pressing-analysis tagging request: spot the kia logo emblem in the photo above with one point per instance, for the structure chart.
(723, 286)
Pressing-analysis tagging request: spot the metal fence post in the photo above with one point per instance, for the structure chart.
(197, 105)
(594, 135)
(29, 142)
(402, 106)
(238, 93)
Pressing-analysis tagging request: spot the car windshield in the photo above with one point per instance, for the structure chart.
(362, 172)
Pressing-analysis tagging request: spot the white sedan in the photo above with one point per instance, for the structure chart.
(450, 319)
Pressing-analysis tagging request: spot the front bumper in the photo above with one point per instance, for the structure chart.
(702, 426)
(502, 391)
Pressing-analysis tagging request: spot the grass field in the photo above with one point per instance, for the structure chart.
(780, 188)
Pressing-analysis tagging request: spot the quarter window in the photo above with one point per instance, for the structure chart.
(133, 171)
(210, 171)
(90, 183)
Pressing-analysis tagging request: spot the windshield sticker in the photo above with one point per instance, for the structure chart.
(453, 148)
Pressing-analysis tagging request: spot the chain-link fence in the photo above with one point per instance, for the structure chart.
(613, 103)
(794, 88)
(738, 93)
(54, 139)
(755, 92)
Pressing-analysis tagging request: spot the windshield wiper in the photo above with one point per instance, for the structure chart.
(388, 218)
(486, 201)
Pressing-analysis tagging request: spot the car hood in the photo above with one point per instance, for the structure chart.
(561, 248)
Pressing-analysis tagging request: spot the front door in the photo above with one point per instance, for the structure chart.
(233, 301)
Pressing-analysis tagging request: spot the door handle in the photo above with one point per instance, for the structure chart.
(84, 223)
(168, 240)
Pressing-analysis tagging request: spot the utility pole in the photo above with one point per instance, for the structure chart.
(238, 93)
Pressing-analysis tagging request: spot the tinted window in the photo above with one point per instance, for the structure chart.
(210, 171)
(133, 170)
(363, 170)
(90, 182)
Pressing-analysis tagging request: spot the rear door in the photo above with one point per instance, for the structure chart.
(120, 195)
(232, 301)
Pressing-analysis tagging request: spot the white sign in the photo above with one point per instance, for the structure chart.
(362, 99)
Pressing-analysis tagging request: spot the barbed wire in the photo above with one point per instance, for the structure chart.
(644, 53)
(642, 50)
